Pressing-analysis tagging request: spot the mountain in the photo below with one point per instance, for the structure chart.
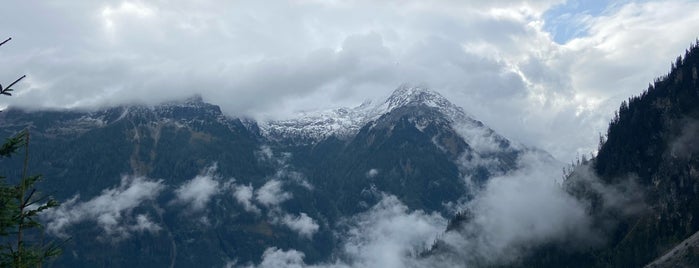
(182, 184)
(651, 154)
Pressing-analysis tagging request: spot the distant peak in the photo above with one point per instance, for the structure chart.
(407, 90)
(414, 95)
(317, 125)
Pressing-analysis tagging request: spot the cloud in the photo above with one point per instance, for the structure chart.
(518, 211)
(295, 177)
(685, 145)
(143, 224)
(274, 257)
(271, 193)
(243, 194)
(508, 217)
(494, 58)
(302, 224)
(387, 235)
(281, 162)
(264, 154)
(197, 192)
(372, 173)
(112, 210)
(621, 197)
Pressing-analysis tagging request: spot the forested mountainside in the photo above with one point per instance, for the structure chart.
(652, 150)
(181, 184)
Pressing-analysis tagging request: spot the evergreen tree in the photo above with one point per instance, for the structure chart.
(19, 206)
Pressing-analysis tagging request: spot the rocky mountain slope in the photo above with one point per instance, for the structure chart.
(181, 184)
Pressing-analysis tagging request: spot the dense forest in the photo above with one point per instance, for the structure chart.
(653, 141)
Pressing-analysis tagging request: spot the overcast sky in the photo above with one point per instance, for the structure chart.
(546, 73)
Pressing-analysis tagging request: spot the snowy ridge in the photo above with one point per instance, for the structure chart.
(412, 96)
(316, 126)
(311, 127)
(191, 112)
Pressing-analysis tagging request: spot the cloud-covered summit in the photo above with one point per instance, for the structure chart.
(497, 59)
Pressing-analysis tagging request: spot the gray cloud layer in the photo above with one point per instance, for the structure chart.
(494, 58)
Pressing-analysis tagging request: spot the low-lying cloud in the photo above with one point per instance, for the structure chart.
(271, 193)
(520, 211)
(244, 194)
(508, 217)
(302, 224)
(531, 207)
(686, 144)
(274, 257)
(197, 192)
(112, 210)
(271, 196)
(389, 234)
(372, 173)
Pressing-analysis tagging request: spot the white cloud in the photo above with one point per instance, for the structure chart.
(197, 192)
(111, 210)
(302, 224)
(243, 194)
(372, 173)
(532, 206)
(271, 193)
(284, 169)
(511, 215)
(521, 210)
(274, 257)
(143, 223)
(389, 234)
(295, 177)
(265, 153)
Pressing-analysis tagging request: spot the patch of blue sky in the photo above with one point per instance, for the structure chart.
(568, 20)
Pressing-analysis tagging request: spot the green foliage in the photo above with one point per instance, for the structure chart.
(20, 205)
(11, 145)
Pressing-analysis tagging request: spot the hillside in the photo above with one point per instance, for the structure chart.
(652, 144)
(182, 184)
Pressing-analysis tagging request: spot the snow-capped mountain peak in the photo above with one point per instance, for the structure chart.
(406, 95)
(309, 127)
